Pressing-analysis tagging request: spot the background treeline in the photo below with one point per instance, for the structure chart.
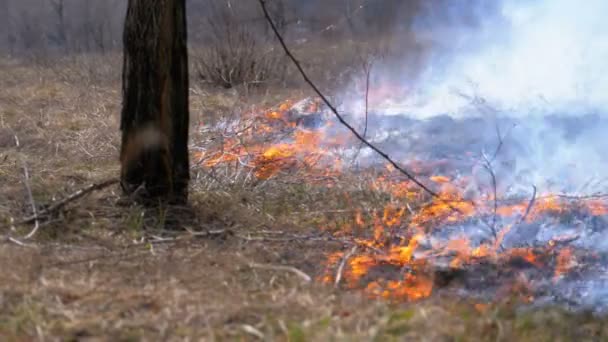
(76, 26)
(231, 43)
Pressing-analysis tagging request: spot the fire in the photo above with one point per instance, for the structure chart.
(564, 262)
(412, 287)
(597, 208)
(526, 254)
(392, 216)
(397, 248)
(482, 307)
(449, 206)
(359, 219)
(439, 179)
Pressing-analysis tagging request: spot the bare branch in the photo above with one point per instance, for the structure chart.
(291, 269)
(333, 109)
(342, 264)
(18, 242)
(501, 139)
(530, 205)
(488, 166)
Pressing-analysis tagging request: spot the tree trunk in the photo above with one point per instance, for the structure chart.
(154, 122)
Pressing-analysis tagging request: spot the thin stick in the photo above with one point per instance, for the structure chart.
(530, 205)
(252, 331)
(368, 72)
(18, 242)
(525, 215)
(367, 67)
(488, 166)
(342, 264)
(381, 153)
(26, 177)
(501, 140)
(71, 198)
(291, 269)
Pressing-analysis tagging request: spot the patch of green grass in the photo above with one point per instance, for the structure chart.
(296, 333)
(23, 318)
(134, 221)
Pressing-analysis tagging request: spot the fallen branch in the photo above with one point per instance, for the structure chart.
(17, 242)
(216, 232)
(71, 198)
(579, 198)
(342, 264)
(291, 269)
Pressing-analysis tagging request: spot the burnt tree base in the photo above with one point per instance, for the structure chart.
(154, 118)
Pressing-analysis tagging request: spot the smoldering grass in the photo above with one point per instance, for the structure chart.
(90, 276)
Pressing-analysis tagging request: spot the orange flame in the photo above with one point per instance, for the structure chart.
(396, 234)
(564, 262)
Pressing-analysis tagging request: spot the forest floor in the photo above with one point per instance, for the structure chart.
(103, 269)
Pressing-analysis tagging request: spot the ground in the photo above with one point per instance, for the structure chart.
(103, 268)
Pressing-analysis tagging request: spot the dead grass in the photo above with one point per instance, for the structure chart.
(99, 269)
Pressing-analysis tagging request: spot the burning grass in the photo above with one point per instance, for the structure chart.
(98, 269)
(403, 235)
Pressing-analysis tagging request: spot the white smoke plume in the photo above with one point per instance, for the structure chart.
(541, 64)
(546, 56)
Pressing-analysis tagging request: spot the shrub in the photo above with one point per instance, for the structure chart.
(238, 53)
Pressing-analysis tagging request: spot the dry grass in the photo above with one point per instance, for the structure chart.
(104, 270)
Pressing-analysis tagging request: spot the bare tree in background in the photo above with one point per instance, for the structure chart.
(154, 123)
(237, 48)
(5, 31)
(60, 37)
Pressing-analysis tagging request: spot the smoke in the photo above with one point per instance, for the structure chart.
(541, 64)
(536, 57)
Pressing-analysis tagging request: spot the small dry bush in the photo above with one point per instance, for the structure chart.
(236, 54)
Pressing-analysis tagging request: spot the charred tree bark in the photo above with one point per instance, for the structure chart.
(154, 121)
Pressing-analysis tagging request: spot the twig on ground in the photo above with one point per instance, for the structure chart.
(409, 208)
(563, 241)
(291, 269)
(578, 198)
(342, 264)
(17, 242)
(289, 238)
(300, 238)
(71, 198)
(253, 331)
(333, 109)
(211, 232)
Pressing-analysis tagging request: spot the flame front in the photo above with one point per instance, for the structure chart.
(396, 248)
